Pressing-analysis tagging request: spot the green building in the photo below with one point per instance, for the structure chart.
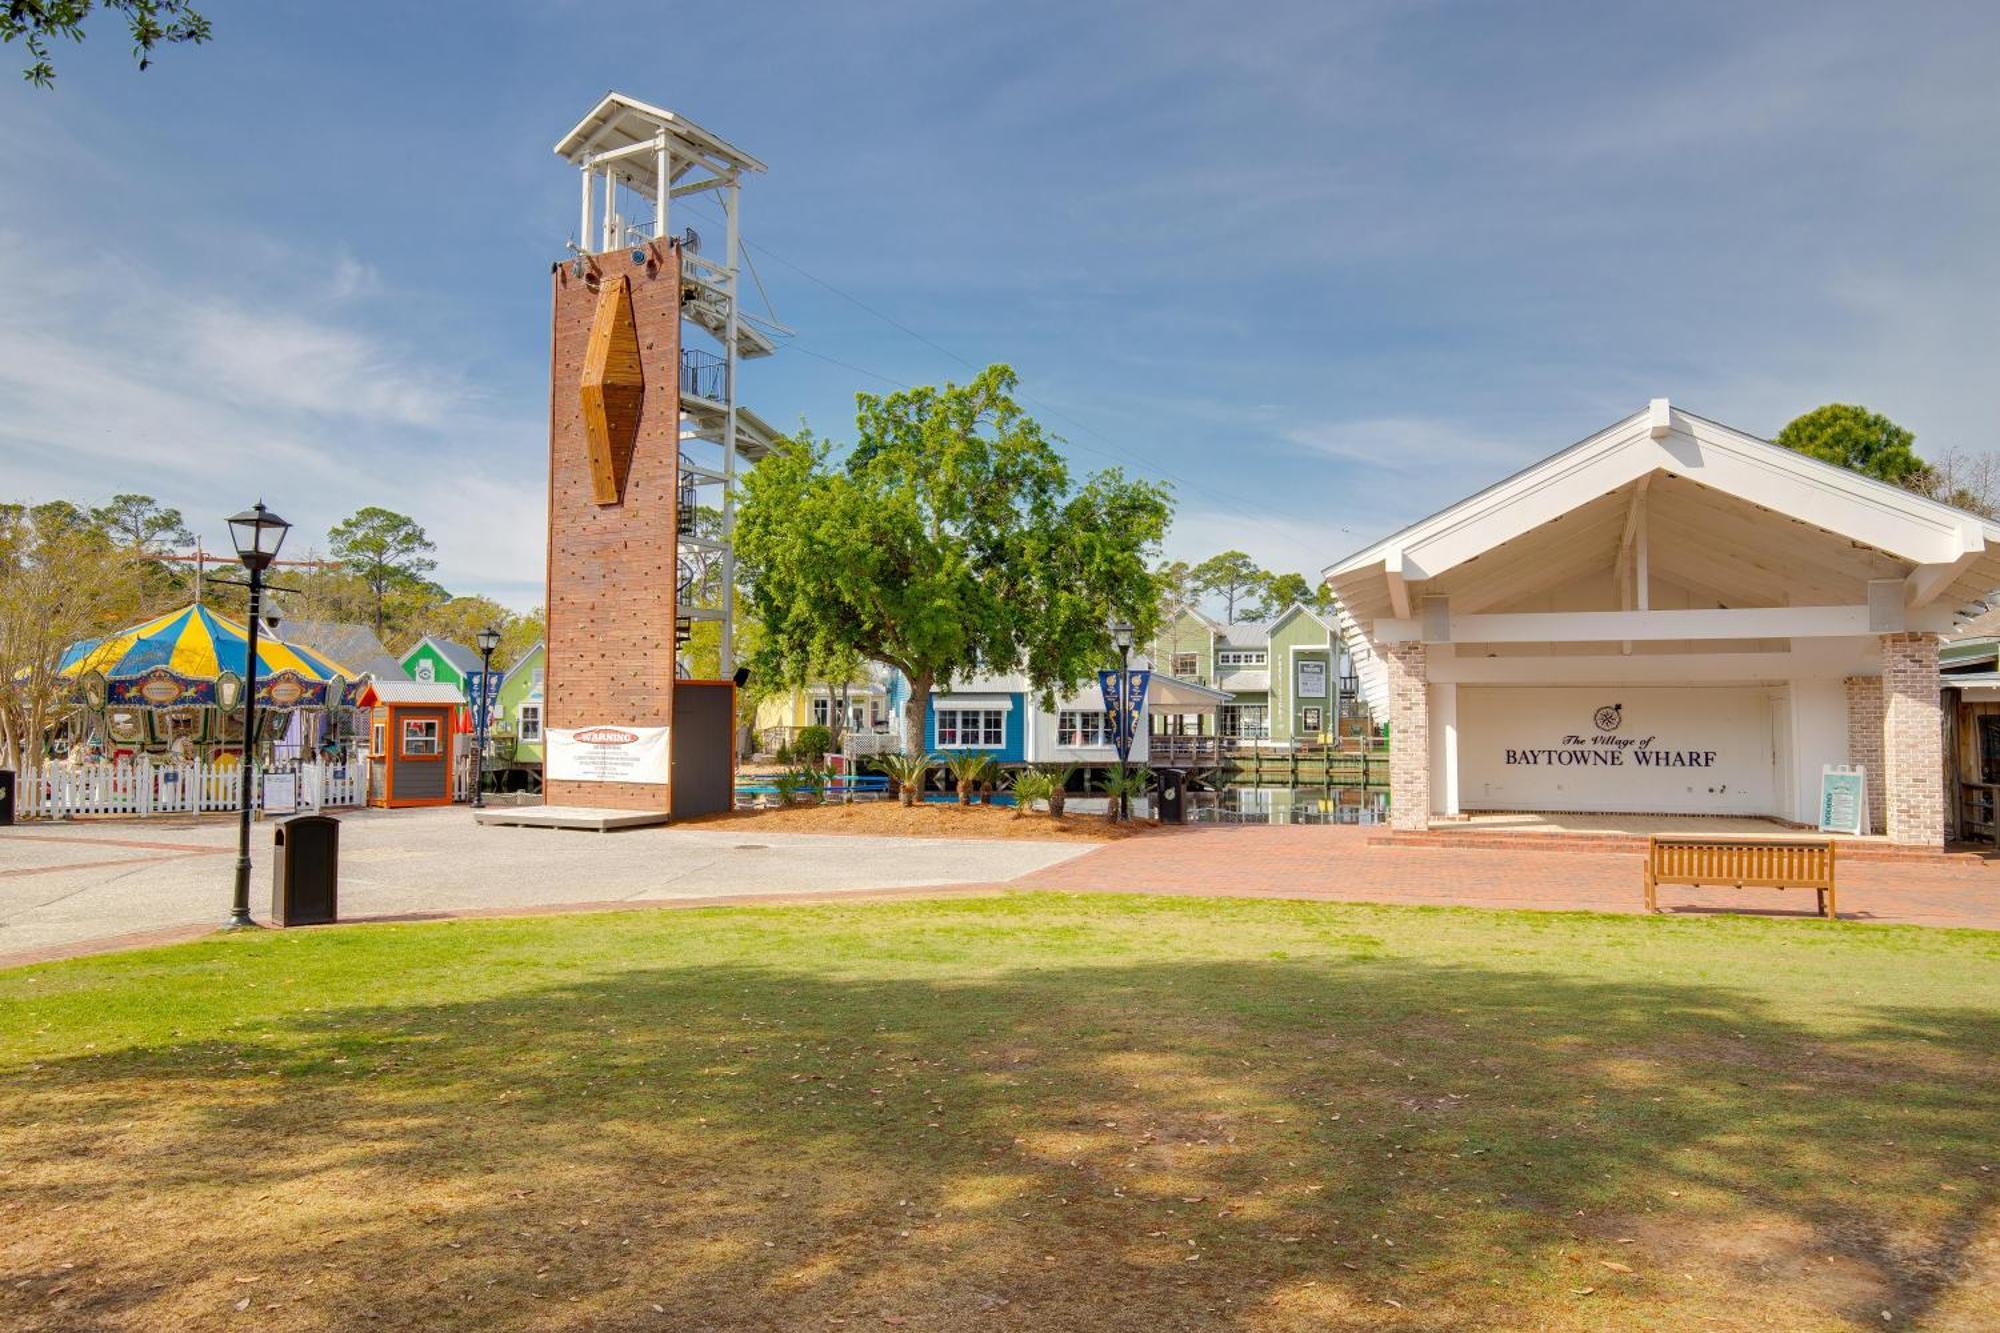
(1284, 675)
(441, 660)
(517, 714)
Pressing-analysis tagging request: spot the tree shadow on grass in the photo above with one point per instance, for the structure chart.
(1278, 1144)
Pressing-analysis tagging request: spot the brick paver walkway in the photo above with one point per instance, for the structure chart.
(1338, 865)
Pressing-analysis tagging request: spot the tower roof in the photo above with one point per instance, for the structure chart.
(619, 122)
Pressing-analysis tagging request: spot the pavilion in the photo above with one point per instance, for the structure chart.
(1668, 617)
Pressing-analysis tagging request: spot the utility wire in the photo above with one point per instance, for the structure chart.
(1117, 454)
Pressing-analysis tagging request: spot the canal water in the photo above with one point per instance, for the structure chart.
(1248, 805)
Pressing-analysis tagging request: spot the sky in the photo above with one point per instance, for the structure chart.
(1322, 267)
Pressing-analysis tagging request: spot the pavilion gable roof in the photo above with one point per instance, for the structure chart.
(1953, 556)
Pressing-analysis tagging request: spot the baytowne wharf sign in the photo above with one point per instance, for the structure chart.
(1604, 748)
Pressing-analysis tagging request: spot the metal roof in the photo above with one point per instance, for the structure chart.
(460, 656)
(620, 121)
(411, 692)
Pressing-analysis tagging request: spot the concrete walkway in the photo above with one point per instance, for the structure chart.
(69, 887)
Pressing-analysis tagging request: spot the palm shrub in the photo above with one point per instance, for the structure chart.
(1133, 782)
(1030, 786)
(968, 769)
(907, 772)
(787, 784)
(1059, 776)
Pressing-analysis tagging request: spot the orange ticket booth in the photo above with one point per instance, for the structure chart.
(412, 746)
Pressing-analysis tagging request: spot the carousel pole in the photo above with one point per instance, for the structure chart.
(258, 534)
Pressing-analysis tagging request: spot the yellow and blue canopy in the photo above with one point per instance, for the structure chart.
(174, 660)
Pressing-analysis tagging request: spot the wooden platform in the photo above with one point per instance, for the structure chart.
(589, 818)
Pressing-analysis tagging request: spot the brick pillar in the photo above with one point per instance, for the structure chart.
(1912, 744)
(1409, 736)
(1864, 741)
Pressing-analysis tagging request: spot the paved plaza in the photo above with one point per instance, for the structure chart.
(63, 885)
(77, 887)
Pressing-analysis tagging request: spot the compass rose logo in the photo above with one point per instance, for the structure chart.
(1608, 717)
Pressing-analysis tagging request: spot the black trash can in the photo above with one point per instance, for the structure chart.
(6, 796)
(1172, 795)
(305, 884)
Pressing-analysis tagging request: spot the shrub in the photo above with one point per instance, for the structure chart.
(811, 744)
(907, 772)
(1029, 787)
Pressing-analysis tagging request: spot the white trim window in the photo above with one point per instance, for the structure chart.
(971, 728)
(1241, 657)
(822, 711)
(531, 724)
(1186, 665)
(1249, 722)
(1081, 727)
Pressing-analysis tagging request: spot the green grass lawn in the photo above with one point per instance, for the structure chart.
(1025, 1112)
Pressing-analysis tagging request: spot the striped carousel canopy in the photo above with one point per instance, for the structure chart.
(190, 649)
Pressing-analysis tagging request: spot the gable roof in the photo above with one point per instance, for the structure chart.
(524, 660)
(462, 658)
(1954, 556)
(410, 692)
(345, 641)
(1245, 633)
(1300, 609)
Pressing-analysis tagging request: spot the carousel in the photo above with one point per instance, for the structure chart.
(173, 686)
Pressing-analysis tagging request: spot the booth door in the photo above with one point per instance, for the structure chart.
(420, 769)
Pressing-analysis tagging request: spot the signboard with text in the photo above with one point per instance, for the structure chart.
(1843, 800)
(1312, 679)
(605, 754)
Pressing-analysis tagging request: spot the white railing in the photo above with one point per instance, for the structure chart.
(142, 787)
(859, 744)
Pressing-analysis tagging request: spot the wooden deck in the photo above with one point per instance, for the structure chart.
(1351, 763)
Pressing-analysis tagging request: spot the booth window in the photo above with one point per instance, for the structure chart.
(531, 722)
(376, 745)
(1081, 727)
(1989, 749)
(420, 737)
(972, 728)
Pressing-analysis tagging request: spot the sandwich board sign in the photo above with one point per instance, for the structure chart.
(1843, 799)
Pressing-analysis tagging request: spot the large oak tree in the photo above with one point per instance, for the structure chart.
(950, 540)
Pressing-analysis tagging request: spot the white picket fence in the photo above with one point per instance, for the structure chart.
(141, 787)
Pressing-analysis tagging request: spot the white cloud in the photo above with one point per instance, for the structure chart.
(116, 377)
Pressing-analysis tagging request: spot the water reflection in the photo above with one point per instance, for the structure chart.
(1289, 805)
(1241, 805)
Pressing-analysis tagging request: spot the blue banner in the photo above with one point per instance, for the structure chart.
(1124, 703)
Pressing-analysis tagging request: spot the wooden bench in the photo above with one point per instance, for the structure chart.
(1743, 863)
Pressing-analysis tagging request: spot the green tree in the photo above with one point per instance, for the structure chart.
(950, 540)
(141, 523)
(1279, 592)
(60, 581)
(152, 22)
(1233, 576)
(385, 550)
(1850, 436)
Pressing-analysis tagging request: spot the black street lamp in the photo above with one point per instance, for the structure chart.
(488, 639)
(257, 533)
(1121, 634)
